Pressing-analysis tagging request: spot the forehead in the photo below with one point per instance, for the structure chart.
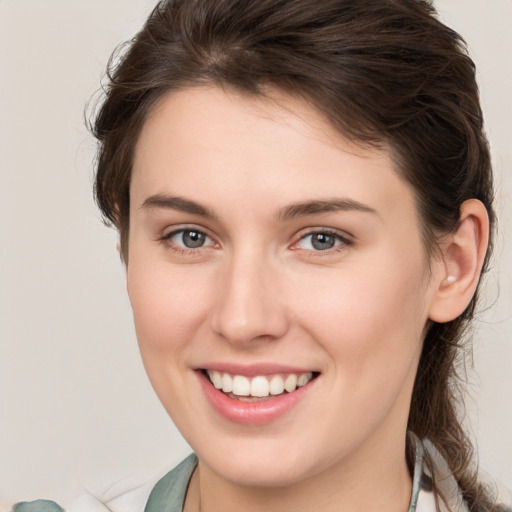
(211, 145)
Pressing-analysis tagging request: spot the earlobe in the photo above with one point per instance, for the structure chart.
(463, 254)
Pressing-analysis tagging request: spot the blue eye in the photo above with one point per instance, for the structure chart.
(320, 241)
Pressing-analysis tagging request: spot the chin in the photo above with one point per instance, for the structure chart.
(272, 473)
(262, 463)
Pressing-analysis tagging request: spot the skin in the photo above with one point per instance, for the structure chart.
(259, 291)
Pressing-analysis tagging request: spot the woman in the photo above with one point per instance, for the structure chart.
(303, 194)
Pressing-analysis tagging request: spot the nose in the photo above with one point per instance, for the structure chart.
(249, 307)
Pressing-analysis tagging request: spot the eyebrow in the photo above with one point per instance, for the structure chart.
(315, 207)
(323, 206)
(162, 201)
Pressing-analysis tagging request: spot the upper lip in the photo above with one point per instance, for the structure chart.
(255, 369)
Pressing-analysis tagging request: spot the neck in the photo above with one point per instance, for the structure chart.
(376, 478)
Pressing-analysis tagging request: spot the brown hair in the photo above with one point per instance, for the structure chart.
(381, 71)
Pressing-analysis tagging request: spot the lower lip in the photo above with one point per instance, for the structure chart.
(252, 413)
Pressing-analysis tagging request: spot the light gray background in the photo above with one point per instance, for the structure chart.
(75, 406)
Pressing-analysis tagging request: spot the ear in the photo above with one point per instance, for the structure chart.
(463, 252)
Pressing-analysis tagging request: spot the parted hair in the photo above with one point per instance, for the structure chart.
(381, 72)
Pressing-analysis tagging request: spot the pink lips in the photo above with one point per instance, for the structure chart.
(253, 413)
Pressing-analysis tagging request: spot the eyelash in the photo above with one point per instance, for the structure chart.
(166, 240)
(343, 242)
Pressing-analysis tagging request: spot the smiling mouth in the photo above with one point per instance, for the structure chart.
(260, 387)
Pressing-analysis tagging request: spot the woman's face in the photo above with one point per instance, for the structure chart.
(264, 249)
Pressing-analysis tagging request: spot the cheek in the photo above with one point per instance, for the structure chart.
(369, 318)
(167, 305)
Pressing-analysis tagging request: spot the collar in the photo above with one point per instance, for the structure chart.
(168, 495)
(423, 498)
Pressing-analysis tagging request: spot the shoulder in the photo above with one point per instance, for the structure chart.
(165, 495)
(124, 500)
(37, 506)
(447, 486)
(120, 497)
(168, 495)
(424, 499)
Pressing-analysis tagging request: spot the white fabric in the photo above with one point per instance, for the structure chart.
(119, 498)
(426, 502)
(445, 482)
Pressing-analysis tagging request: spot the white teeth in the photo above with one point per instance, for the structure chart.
(276, 385)
(260, 386)
(227, 383)
(216, 379)
(290, 384)
(303, 379)
(241, 385)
